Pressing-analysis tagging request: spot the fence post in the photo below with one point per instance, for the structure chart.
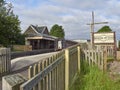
(105, 60)
(13, 82)
(78, 48)
(67, 69)
(9, 60)
(29, 72)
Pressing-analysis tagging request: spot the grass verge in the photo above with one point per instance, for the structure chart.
(91, 78)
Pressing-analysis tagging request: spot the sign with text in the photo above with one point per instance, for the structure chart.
(104, 38)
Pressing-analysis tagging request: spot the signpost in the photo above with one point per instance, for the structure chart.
(92, 27)
(102, 40)
(106, 41)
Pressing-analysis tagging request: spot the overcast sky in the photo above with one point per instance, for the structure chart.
(73, 15)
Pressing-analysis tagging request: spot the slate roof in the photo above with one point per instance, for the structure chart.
(39, 29)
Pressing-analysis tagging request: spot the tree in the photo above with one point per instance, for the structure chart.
(57, 31)
(20, 39)
(105, 29)
(9, 25)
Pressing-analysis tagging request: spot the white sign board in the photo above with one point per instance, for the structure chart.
(59, 44)
(103, 38)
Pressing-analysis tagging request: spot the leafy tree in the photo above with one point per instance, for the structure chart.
(20, 39)
(57, 31)
(105, 29)
(9, 25)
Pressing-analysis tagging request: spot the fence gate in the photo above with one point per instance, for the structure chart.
(5, 63)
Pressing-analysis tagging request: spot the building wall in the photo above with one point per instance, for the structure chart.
(29, 31)
(22, 47)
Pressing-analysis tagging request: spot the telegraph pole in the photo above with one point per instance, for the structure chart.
(92, 28)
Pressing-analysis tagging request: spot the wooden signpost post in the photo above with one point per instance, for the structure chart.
(92, 28)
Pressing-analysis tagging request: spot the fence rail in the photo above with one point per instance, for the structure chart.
(58, 71)
(5, 63)
(54, 73)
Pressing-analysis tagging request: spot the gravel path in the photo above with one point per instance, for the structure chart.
(114, 68)
(115, 65)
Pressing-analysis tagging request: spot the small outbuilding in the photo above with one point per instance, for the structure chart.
(39, 38)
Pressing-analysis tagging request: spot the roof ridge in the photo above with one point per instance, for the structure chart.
(39, 29)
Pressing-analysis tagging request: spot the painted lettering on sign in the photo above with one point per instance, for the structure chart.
(103, 38)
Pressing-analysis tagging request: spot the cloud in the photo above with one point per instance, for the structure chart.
(73, 15)
(82, 4)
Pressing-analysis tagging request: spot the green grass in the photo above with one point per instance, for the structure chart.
(91, 78)
(110, 59)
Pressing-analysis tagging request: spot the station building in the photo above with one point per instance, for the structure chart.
(39, 38)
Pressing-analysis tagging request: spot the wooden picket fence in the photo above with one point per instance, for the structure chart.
(58, 71)
(99, 55)
(54, 73)
(96, 57)
(110, 49)
(5, 63)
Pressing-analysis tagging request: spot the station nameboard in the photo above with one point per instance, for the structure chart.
(104, 38)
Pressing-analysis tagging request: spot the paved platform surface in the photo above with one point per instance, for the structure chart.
(20, 65)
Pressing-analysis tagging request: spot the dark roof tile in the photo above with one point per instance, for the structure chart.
(39, 29)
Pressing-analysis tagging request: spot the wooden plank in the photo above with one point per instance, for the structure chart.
(102, 60)
(57, 78)
(67, 69)
(33, 81)
(2, 61)
(105, 60)
(52, 75)
(89, 57)
(35, 71)
(29, 72)
(49, 75)
(5, 64)
(78, 58)
(39, 69)
(9, 60)
(43, 80)
(95, 52)
(98, 58)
